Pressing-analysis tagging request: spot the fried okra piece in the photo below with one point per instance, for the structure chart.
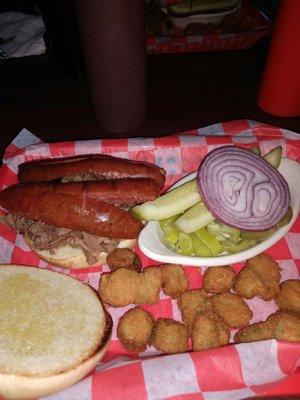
(209, 331)
(135, 329)
(174, 280)
(288, 297)
(285, 325)
(149, 286)
(260, 277)
(232, 308)
(170, 336)
(192, 302)
(119, 288)
(253, 333)
(218, 279)
(123, 258)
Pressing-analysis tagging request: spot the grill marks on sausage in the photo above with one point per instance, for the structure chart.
(48, 237)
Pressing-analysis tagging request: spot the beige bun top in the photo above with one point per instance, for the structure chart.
(50, 322)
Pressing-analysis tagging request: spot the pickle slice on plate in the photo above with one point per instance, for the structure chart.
(210, 241)
(194, 218)
(185, 244)
(200, 248)
(174, 202)
(171, 235)
(274, 156)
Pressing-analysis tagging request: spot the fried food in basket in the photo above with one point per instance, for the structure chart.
(255, 332)
(209, 331)
(174, 280)
(135, 329)
(232, 308)
(282, 325)
(260, 277)
(119, 288)
(288, 297)
(123, 258)
(285, 325)
(170, 336)
(192, 302)
(218, 279)
(149, 286)
(125, 286)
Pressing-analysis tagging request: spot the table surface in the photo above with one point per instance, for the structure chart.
(184, 91)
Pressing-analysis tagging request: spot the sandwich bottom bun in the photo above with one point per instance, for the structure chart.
(53, 330)
(71, 257)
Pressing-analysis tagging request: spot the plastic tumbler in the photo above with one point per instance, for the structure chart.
(112, 34)
(279, 92)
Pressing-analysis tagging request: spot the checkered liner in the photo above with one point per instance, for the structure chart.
(175, 41)
(232, 372)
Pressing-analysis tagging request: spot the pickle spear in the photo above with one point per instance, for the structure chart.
(174, 202)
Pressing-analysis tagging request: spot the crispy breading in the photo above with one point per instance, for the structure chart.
(285, 325)
(209, 331)
(260, 277)
(123, 258)
(288, 297)
(255, 332)
(218, 279)
(149, 286)
(174, 280)
(232, 308)
(119, 288)
(135, 329)
(170, 336)
(192, 302)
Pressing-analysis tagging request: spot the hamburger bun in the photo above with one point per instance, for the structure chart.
(53, 331)
(71, 257)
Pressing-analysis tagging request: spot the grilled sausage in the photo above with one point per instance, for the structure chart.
(120, 192)
(54, 205)
(89, 167)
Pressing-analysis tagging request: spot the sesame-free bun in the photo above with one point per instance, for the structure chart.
(71, 257)
(53, 331)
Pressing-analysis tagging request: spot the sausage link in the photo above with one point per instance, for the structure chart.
(101, 165)
(54, 205)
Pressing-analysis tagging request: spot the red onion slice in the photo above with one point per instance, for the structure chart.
(242, 189)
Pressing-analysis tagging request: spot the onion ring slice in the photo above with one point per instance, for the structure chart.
(242, 189)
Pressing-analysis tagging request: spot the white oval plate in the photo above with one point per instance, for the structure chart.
(150, 238)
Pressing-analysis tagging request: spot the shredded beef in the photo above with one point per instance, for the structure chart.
(47, 237)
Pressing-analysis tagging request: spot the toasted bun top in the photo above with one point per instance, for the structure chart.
(50, 322)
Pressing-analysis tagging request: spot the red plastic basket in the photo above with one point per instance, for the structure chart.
(247, 26)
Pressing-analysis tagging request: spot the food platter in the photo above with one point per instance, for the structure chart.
(151, 244)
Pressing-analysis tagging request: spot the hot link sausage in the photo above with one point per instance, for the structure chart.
(90, 167)
(54, 205)
(119, 192)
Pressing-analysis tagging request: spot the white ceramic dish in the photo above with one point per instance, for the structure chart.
(210, 18)
(150, 239)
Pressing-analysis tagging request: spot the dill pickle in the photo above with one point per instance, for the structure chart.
(173, 202)
(194, 218)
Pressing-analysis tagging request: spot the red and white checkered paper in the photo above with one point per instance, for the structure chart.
(231, 372)
(173, 40)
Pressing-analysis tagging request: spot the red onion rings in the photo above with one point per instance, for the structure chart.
(241, 189)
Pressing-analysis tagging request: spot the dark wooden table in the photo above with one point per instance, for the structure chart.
(185, 91)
